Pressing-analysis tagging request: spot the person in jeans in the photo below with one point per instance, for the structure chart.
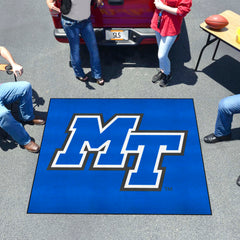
(77, 23)
(22, 92)
(226, 108)
(166, 21)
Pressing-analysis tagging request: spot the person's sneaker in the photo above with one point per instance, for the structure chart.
(157, 77)
(164, 80)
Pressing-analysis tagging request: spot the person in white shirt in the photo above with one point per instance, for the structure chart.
(77, 23)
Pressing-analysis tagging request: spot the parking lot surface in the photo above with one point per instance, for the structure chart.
(27, 31)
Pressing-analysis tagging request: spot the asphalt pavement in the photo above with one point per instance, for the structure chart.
(27, 31)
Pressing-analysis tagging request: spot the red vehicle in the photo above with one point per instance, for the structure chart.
(117, 22)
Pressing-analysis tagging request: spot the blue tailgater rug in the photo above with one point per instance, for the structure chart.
(120, 156)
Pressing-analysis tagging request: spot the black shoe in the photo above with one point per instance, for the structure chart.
(165, 80)
(157, 77)
(238, 181)
(211, 138)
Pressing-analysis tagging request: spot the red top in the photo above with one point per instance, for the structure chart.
(171, 24)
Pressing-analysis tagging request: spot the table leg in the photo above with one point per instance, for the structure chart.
(213, 57)
(209, 41)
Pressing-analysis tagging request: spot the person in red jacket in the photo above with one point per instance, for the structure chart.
(166, 21)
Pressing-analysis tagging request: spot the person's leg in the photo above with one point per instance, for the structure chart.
(25, 103)
(72, 31)
(88, 35)
(157, 77)
(158, 38)
(22, 92)
(18, 91)
(165, 44)
(164, 48)
(13, 127)
(226, 108)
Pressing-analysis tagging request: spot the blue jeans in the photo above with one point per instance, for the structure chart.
(9, 93)
(73, 30)
(226, 108)
(164, 46)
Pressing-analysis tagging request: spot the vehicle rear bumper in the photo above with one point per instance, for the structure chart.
(136, 36)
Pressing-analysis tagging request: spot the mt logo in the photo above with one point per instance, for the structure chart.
(113, 143)
(120, 156)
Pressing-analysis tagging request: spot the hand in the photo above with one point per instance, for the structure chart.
(17, 69)
(51, 6)
(159, 4)
(99, 3)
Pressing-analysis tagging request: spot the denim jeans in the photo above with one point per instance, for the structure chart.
(226, 108)
(9, 93)
(73, 30)
(164, 46)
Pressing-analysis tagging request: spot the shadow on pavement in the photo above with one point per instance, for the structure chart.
(115, 58)
(179, 55)
(225, 71)
(6, 142)
(235, 133)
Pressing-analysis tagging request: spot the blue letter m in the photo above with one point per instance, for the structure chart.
(89, 134)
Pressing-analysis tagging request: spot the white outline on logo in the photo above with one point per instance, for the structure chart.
(86, 149)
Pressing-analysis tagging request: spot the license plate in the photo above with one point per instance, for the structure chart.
(117, 35)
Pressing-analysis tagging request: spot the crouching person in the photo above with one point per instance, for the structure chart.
(11, 92)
